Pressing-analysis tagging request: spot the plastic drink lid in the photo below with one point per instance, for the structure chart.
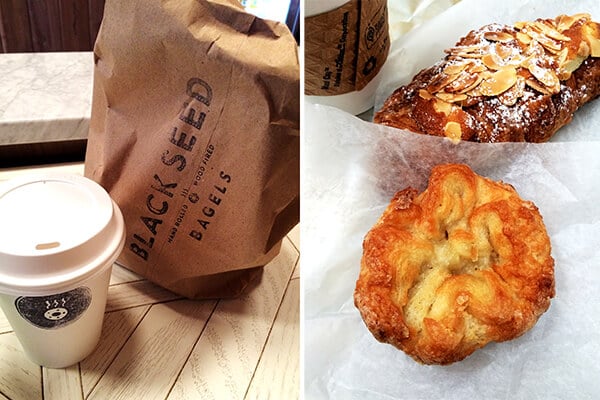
(55, 232)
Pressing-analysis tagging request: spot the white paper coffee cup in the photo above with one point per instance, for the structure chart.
(59, 236)
(344, 52)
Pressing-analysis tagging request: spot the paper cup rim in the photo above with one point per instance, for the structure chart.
(86, 258)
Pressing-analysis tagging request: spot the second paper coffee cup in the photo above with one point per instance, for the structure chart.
(346, 43)
(59, 237)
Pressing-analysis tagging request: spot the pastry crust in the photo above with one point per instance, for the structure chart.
(503, 83)
(462, 264)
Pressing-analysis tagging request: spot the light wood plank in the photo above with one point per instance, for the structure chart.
(20, 379)
(278, 373)
(296, 274)
(4, 324)
(117, 328)
(149, 362)
(123, 275)
(294, 236)
(61, 384)
(224, 359)
(136, 294)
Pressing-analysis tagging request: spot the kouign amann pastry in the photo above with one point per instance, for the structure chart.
(446, 271)
(503, 83)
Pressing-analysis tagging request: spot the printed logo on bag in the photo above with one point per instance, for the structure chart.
(164, 188)
(58, 310)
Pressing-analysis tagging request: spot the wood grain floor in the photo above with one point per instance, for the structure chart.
(157, 345)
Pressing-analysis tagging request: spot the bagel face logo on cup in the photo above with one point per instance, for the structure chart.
(55, 311)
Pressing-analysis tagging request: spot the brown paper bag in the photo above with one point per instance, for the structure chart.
(195, 134)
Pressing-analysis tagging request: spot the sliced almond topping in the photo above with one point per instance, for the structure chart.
(498, 36)
(584, 16)
(510, 97)
(542, 39)
(424, 94)
(592, 37)
(453, 131)
(492, 61)
(523, 38)
(538, 55)
(571, 65)
(562, 57)
(464, 49)
(556, 88)
(472, 86)
(463, 81)
(474, 94)
(440, 81)
(442, 106)
(563, 75)
(594, 46)
(510, 54)
(564, 22)
(487, 74)
(476, 67)
(535, 49)
(475, 54)
(584, 49)
(455, 68)
(499, 82)
(471, 51)
(554, 51)
(549, 44)
(451, 97)
(563, 62)
(534, 84)
(545, 76)
(548, 30)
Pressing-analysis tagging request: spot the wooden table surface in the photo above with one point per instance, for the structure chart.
(157, 345)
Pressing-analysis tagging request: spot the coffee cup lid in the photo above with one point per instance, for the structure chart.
(56, 231)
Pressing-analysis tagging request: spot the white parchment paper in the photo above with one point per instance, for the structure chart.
(352, 168)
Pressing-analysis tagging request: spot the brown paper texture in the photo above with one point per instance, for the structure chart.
(195, 134)
(345, 48)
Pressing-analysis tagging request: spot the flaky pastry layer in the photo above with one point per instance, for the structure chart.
(462, 264)
(503, 83)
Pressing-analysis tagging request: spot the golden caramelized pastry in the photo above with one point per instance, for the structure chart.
(462, 264)
(503, 83)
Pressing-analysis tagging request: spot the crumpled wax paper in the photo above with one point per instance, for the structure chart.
(406, 14)
(352, 168)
